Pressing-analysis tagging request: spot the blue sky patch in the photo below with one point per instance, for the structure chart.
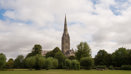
(121, 1)
(2, 11)
(115, 10)
(95, 1)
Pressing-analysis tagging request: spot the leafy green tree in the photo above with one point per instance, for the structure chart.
(61, 58)
(83, 50)
(72, 57)
(55, 63)
(29, 55)
(86, 62)
(19, 62)
(53, 52)
(49, 54)
(68, 64)
(30, 62)
(37, 49)
(48, 63)
(10, 63)
(103, 58)
(2, 60)
(119, 57)
(129, 56)
(75, 64)
(40, 61)
(51, 63)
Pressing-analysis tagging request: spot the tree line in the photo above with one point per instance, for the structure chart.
(55, 59)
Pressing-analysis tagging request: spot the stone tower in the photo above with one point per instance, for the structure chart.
(65, 40)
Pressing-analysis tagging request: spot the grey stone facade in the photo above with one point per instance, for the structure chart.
(65, 44)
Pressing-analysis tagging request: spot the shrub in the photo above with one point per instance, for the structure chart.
(68, 64)
(30, 62)
(101, 67)
(48, 63)
(111, 67)
(51, 63)
(72, 57)
(117, 68)
(40, 62)
(55, 63)
(2, 60)
(75, 65)
(86, 63)
(61, 58)
(19, 61)
(10, 63)
(126, 67)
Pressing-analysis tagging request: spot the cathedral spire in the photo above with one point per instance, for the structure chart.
(65, 26)
(65, 40)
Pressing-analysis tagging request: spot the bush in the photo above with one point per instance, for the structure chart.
(61, 58)
(111, 67)
(51, 63)
(75, 65)
(2, 60)
(72, 57)
(86, 63)
(101, 67)
(19, 62)
(126, 67)
(10, 63)
(68, 64)
(40, 62)
(48, 63)
(55, 63)
(30, 62)
(117, 68)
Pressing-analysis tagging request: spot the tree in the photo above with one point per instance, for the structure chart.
(19, 62)
(51, 63)
(72, 57)
(61, 58)
(103, 58)
(53, 52)
(37, 49)
(68, 64)
(75, 65)
(10, 63)
(49, 54)
(55, 63)
(40, 61)
(86, 62)
(119, 57)
(30, 62)
(129, 56)
(48, 63)
(2, 60)
(83, 50)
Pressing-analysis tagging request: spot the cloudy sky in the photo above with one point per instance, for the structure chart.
(103, 24)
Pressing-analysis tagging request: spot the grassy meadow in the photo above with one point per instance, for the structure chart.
(24, 71)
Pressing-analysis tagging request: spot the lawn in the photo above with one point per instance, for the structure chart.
(66, 72)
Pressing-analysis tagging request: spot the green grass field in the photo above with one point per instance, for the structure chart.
(65, 72)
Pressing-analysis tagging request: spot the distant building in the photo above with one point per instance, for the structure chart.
(45, 52)
(65, 44)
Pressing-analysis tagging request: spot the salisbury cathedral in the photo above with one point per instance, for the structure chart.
(65, 42)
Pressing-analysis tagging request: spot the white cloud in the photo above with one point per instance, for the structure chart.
(95, 23)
